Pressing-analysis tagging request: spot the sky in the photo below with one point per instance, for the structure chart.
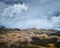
(23, 14)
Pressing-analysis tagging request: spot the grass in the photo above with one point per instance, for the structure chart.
(37, 42)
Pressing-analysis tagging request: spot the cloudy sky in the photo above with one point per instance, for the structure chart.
(44, 14)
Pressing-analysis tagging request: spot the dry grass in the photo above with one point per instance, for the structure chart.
(27, 38)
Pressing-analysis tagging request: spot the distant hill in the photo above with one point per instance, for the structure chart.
(34, 30)
(3, 29)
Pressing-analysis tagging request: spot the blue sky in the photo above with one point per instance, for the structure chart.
(30, 14)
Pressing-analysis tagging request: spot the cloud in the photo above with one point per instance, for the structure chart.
(11, 14)
(12, 1)
(56, 22)
(35, 14)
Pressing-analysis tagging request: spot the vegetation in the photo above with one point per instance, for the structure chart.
(29, 38)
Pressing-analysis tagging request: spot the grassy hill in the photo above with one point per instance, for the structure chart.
(29, 38)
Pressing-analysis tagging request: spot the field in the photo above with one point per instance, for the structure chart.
(29, 38)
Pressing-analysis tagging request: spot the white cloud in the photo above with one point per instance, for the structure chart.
(46, 14)
(11, 14)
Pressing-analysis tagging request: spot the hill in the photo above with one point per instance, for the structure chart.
(29, 38)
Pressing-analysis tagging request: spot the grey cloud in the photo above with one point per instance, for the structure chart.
(40, 14)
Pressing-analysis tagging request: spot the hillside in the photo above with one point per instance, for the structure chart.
(29, 38)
